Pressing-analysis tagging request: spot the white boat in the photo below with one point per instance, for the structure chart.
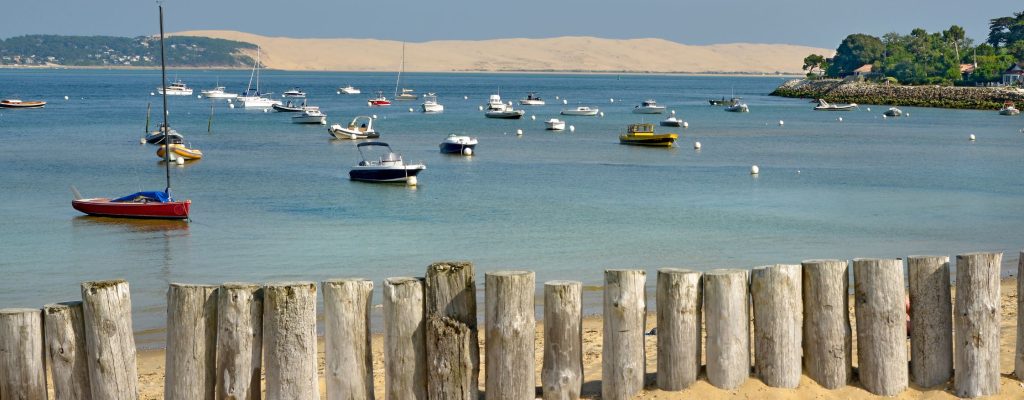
(349, 89)
(294, 93)
(672, 121)
(458, 144)
(176, 88)
(217, 93)
(738, 107)
(507, 113)
(311, 115)
(430, 104)
(555, 124)
(387, 167)
(648, 107)
(531, 100)
(1008, 109)
(826, 106)
(405, 94)
(581, 110)
(494, 103)
(361, 127)
(893, 112)
(252, 98)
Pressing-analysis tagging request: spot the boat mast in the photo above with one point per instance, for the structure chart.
(401, 68)
(257, 70)
(163, 84)
(249, 87)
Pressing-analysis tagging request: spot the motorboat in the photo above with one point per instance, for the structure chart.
(826, 106)
(406, 95)
(361, 127)
(430, 104)
(648, 107)
(179, 150)
(217, 93)
(555, 124)
(723, 101)
(582, 111)
(531, 100)
(386, 167)
(294, 93)
(507, 113)
(311, 115)
(379, 101)
(158, 137)
(672, 121)
(643, 135)
(15, 103)
(148, 204)
(1008, 109)
(738, 107)
(348, 89)
(291, 107)
(176, 88)
(458, 144)
(893, 112)
(252, 97)
(494, 103)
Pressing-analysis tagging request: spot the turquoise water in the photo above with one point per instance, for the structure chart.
(272, 201)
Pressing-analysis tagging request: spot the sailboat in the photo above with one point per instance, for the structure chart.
(253, 98)
(150, 204)
(405, 94)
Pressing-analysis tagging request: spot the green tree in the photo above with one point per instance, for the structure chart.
(1005, 31)
(855, 51)
(814, 62)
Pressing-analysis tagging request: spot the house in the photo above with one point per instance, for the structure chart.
(862, 73)
(966, 70)
(864, 70)
(1015, 74)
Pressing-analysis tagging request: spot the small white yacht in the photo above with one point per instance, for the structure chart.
(532, 100)
(349, 89)
(255, 99)
(430, 104)
(581, 110)
(217, 93)
(672, 121)
(406, 94)
(494, 103)
(311, 115)
(458, 144)
(555, 124)
(176, 88)
(294, 93)
(648, 107)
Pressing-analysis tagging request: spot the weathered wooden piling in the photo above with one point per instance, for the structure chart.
(977, 324)
(349, 359)
(778, 324)
(931, 320)
(680, 296)
(289, 338)
(510, 329)
(405, 352)
(64, 332)
(827, 334)
(451, 292)
(239, 341)
(190, 361)
(1018, 360)
(450, 360)
(562, 373)
(727, 316)
(879, 302)
(110, 341)
(624, 357)
(22, 365)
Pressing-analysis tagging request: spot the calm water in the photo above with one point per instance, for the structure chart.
(272, 200)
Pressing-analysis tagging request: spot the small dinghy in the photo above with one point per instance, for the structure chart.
(15, 103)
(581, 111)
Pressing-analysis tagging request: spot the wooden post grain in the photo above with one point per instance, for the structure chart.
(451, 292)
(1018, 361)
(977, 324)
(827, 333)
(289, 338)
(562, 373)
(510, 331)
(405, 353)
(239, 341)
(624, 357)
(931, 320)
(450, 361)
(727, 316)
(64, 331)
(110, 342)
(880, 306)
(191, 342)
(778, 324)
(679, 299)
(349, 359)
(22, 365)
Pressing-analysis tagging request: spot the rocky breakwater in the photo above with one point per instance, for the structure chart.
(843, 91)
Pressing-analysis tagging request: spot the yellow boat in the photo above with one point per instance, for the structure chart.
(643, 135)
(181, 151)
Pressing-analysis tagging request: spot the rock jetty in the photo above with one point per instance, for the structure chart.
(844, 91)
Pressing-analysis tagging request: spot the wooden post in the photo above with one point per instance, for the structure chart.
(64, 331)
(778, 324)
(349, 359)
(405, 352)
(289, 338)
(880, 305)
(931, 320)
(1018, 362)
(562, 373)
(510, 329)
(827, 333)
(623, 358)
(727, 316)
(450, 361)
(190, 359)
(22, 369)
(451, 292)
(680, 295)
(239, 341)
(977, 324)
(109, 340)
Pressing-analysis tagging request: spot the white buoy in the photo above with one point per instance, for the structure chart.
(781, 122)
(374, 116)
(467, 151)
(565, 101)
(179, 160)
(611, 100)
(885, 116)
(519, 132)
(481, 108)
(465, 97)
(686, 124)
(199, 96)
(142, 140)
(229, 101)
(411, 181)
(908, 115)
(673, 112)
(266, 110)
(152, 94)
(572, 128)
(754, 170)
(65, 97)
(231, 105)
(410, 109)
(840, 119)
(533, 117)
(338, 92)
(556, 97)
(869, 109)
(696, 145)
(971, 137)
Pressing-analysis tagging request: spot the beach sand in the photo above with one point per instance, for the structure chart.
(151, 369)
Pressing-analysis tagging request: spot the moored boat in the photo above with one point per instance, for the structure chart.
(406, 95)
(826, 106)
(1009, 109)
(738, 107)
(252, 97)
(379, 101)
(648, 107)
(15, 103)
(294, 93)
(554, 124)
(177, 88)
(644, 135)
(311, 115)
(458, 144)
(430, 104)
(672, 121)
(217, 92)
(355, 129)
(893, 112)
(158, 137)
(291, 107)
(723, 101)
(507, 113)
(581, 111)
(387, 167)
(179, 150)
(532, 100)
(349, 89)
(494, 103)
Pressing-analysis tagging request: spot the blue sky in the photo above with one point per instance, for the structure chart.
(812, 23)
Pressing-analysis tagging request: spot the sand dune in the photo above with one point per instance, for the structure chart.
(563, 54)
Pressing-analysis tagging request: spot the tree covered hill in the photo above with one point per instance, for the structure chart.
(142, 51)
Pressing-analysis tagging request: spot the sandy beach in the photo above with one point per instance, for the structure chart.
(151, 369)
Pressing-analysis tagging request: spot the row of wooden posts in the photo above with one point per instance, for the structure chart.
(221, 339)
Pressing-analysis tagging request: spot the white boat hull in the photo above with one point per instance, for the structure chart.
(584, 113)
(555, 125)
(305, 119)
(186, 92)
(648, 110)
(220, 95)
(432, 108)
(525, 102)
(257, 102)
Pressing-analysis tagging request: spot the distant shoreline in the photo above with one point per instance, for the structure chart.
(538, 72)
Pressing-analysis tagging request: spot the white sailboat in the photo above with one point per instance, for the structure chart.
(253, 98)
(404, 94)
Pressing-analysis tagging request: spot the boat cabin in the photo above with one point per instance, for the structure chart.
(640, 128)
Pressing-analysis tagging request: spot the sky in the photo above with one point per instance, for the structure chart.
(810, 23)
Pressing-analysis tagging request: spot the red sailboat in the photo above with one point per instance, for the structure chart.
(152, 204)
